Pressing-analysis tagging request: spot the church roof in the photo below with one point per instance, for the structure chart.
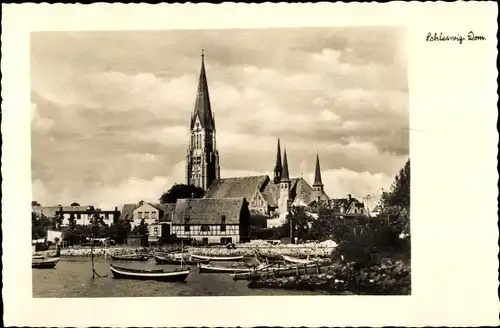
(202, 108)
(244, 187)
(208, 210)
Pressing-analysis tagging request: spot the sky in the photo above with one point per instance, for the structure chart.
(111, 110)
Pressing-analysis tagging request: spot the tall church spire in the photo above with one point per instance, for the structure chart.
(202, 158)
(317, 174)
(285, 176)
(278, 169)
(202, 108)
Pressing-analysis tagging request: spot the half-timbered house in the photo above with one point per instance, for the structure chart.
(211, 221)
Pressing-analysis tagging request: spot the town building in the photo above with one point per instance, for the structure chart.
(81, 214)
(211, 221)
(348, 206)
(158, 218)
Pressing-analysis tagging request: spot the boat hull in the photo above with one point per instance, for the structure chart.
(44, 263)
(218, 258)
(142, 258)
(213, 269)
(158, 275)
(286, 271)
(166, 260)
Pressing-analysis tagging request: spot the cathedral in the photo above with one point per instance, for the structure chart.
(270, 197)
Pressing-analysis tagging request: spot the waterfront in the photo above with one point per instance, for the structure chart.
(72, 277)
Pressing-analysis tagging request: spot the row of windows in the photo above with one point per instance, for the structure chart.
(187, 228)
(145, 215)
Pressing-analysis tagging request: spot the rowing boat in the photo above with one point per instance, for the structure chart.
(174, 260)
(296, 260)
(282, 271)
(130, 257)
(160, 275)
(44, 263)
(218, 258)
(208, 268)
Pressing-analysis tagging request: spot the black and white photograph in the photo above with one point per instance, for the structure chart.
(231, 162)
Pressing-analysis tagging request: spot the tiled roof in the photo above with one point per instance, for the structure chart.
(128, 211)
(208, 210)
(240, 187)
(271, 193)
(168, 209)
(344, 203)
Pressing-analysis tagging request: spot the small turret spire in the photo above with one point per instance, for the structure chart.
(278, 168)
(317, 174)
(285, 176)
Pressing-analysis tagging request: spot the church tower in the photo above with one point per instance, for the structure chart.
(202, 158)
(318, 184)
(278, 168)
(283, 203)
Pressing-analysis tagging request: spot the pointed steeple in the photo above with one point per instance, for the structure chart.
(317, 174)
(285, 176)
(278, 169)
(202, 108)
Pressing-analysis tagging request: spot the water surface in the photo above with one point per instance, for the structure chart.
(72, 277)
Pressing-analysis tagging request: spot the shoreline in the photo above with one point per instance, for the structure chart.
(296, 251)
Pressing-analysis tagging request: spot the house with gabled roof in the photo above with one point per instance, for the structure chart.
(349, 205)
(211, 220)
(158, 217)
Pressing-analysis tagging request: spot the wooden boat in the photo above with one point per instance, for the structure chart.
(174, 260)
(218, 258)
(283, 271)
(159, 275)
(130, 257)
(296, 260)
(207, 268)
(44, 263)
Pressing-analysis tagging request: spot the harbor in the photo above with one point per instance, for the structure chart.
(149, 272)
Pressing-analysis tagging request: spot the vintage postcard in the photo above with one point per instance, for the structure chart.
(220, 158)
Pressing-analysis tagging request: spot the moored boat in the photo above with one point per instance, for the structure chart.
(173, 260)
(159, 275)
(218, 258)
(207, 268)
(297, 260)
(132, 257)
(283, 271)
(44, 263)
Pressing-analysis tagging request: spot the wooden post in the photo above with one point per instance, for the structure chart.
(317, 266)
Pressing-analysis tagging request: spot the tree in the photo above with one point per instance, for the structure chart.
(179, 191)
(301, 224)
(399, 194)
(119, 231)
(35, 203)
(75, 204)
(141, 229)
(72, 221)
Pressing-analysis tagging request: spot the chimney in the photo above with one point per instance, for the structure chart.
(349, 197)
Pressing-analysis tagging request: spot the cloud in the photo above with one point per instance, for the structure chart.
(112, 109)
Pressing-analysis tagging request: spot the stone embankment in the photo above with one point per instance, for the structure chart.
(323, 249)
(389, 278)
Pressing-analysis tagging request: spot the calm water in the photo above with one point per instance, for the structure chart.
(72, 277)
